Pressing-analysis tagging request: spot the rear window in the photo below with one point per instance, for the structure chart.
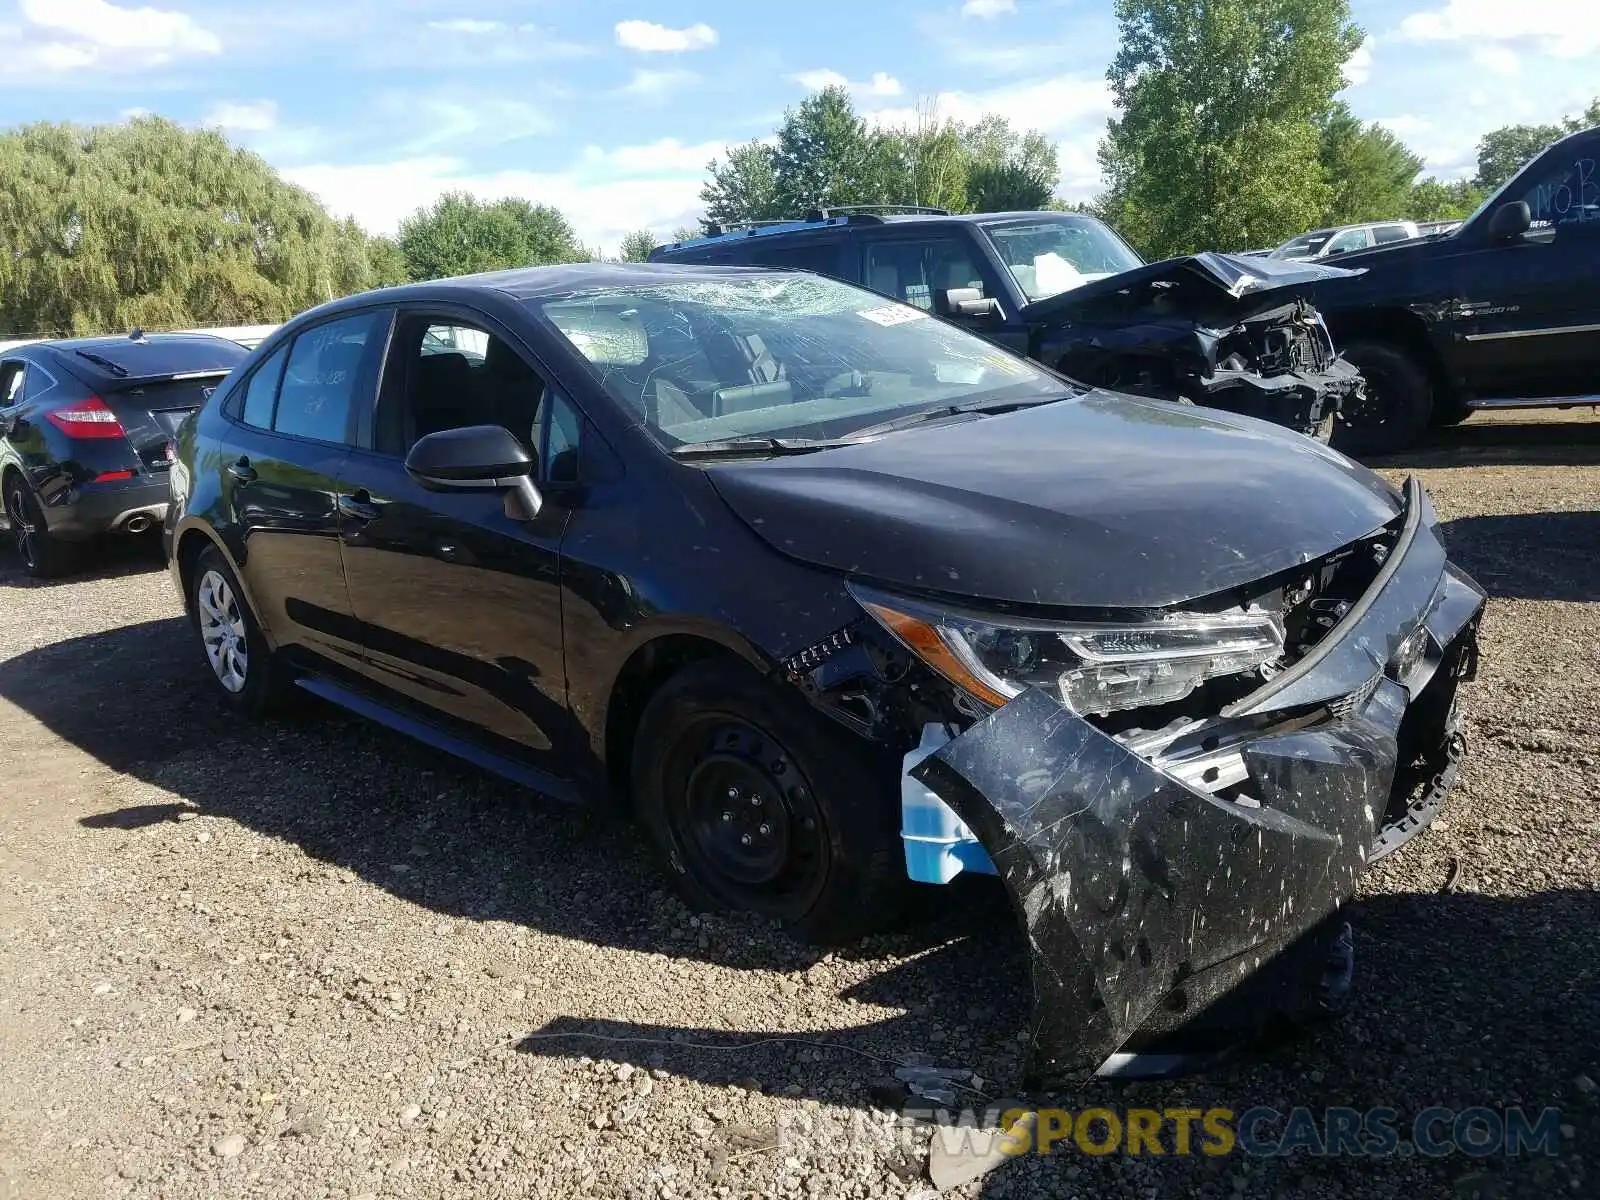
(154, 356)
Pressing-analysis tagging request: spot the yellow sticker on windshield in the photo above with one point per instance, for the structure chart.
(892, 314)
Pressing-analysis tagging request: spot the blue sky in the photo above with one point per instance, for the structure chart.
(611, 108)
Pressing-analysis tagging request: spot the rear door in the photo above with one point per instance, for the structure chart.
(293, 423)
(1527, 311)
(457, 603)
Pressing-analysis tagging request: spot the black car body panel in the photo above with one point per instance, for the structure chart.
(1507, 318)
(1220, 330)
(149, 383)
(1105, 501)
(527, 643)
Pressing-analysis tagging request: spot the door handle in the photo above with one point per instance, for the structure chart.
(241, 469)
(358, 507)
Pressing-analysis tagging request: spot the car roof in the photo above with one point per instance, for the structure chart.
(823, 223)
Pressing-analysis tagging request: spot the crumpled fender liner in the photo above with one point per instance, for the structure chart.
(1146, 902)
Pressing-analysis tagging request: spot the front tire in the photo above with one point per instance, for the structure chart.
(242, 664)
(43, 556)
(758, 805)
(1397, 405)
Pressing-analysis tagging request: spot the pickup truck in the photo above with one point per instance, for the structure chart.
(1503, 312)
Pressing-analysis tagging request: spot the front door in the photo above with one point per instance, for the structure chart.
(921, 268)
(457, 603)
(1527, 311)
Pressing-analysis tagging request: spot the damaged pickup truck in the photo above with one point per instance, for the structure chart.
(1221, 330)
(842, 598)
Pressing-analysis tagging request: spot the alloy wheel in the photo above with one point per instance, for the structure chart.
(24, 533)
(223, 632)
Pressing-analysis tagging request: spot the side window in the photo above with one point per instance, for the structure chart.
(1350, 239)
(446, 374)
(810, 254)
(1384, 234)
(920, 272)
(329, 367)
(562, 430)
(262, 390)
(11, 377)
(1563, 193)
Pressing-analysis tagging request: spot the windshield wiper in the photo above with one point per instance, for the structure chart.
(743, 447)
(105, 364)
(987, 407)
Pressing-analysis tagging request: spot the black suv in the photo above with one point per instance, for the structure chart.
(86, 428)
(836, 594)
(1501, 313)
(1226, 331)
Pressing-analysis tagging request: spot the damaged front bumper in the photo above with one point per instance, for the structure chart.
(1177, 888)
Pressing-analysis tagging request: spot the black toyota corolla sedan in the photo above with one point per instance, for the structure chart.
(838, 596)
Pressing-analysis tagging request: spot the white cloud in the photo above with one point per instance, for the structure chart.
(987, 10)
(604, 193)
(1497, 60)
(436, 122)
(1561, 30)
(649, 38)
(881, 84)
(666, 156)
(655, 84)
(257, 117)
(1358, 68)
(67, 35)
(468, 25)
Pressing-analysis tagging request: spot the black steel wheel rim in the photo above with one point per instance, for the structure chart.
(1368, 411)
(22, 531)
(745, 818)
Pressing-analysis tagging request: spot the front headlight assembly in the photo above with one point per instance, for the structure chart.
(1089, 666)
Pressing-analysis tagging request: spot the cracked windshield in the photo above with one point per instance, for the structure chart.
(1056, 254)
(708, 360)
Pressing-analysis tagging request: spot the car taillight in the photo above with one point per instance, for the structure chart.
(87, 419)
(112, 476)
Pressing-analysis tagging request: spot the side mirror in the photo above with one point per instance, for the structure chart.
(473, 458)
(1510, 221)
(969, 302)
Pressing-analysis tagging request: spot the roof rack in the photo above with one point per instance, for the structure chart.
(924, 210)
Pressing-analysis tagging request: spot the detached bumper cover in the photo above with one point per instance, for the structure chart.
(1162, 914)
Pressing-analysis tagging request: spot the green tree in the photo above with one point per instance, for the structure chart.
(150, 224)
(1369, 170)
(388, 262)
(928, 163)
(1434, 200)
(742, 187)
(1006, 187)
(1502, 152)
(1216, 145)
(826, 155)
(636, 246)
(462, 235)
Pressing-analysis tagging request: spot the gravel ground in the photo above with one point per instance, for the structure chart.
(312, 959)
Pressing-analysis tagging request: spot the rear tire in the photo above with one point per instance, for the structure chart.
(758, 805)
(43, 556)
(243, 667)
(1396, 408)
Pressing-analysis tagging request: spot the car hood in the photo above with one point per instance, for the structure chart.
(1232, 281)
(1103, 501)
